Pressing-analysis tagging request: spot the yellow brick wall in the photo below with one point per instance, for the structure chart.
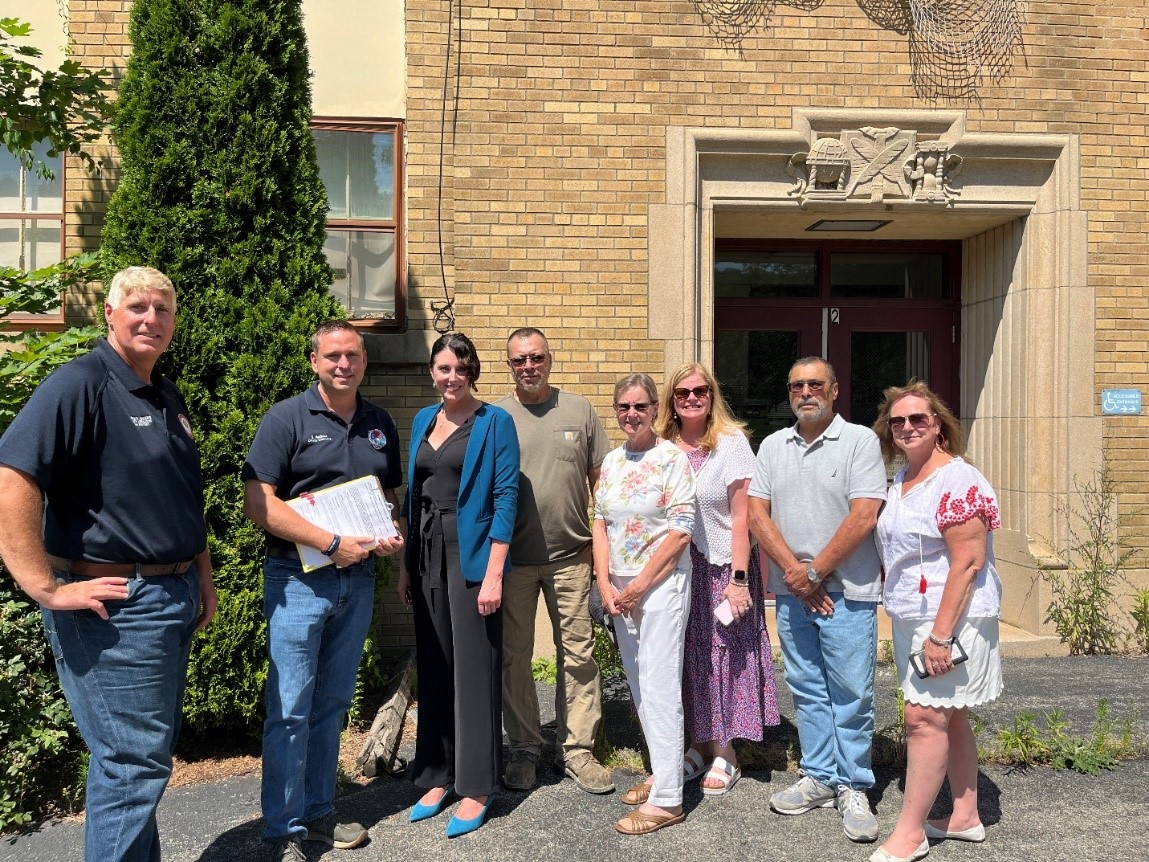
(554, 150)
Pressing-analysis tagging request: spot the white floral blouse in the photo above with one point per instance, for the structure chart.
(642, 496)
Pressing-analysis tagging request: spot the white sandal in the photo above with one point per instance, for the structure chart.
(722, 770)
(692, 765)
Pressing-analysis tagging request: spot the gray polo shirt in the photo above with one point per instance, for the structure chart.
(810, 488)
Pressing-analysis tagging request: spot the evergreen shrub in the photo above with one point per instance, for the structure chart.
(220, 190)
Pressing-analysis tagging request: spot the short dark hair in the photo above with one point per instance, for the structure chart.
(528, 332)
(335, 326)
(464, 351)
(816, 360)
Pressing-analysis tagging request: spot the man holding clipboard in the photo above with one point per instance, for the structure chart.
(317, 618)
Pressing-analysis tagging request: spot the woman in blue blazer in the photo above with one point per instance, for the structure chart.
(462, 491)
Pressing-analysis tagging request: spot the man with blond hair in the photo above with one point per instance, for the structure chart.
(101, 499)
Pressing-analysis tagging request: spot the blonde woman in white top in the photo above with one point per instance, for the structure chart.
(728, 688)
(943, 595)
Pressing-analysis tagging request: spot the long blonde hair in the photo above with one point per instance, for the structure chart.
(719, 420)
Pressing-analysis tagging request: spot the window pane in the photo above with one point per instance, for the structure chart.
(765, 274)
(331, 150)
(358, 171)
(881, 359)
(753, 368)
(888, 276)
(372, 167)
(29, 244)
(364, 266)
(38, 194)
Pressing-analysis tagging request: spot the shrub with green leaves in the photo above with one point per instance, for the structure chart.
(40, 744)
(220, 190)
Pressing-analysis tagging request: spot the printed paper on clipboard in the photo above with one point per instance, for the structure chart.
(355, 508)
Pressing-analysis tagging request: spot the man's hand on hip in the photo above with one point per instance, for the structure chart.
(86, 595)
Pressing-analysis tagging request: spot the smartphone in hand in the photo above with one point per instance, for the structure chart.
(723, 613)
(918, 659)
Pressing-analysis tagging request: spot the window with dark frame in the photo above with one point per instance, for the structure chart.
(31, 219)
(360, 163)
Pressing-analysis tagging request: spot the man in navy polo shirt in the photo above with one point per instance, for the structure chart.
(101, 500)
(318, 620)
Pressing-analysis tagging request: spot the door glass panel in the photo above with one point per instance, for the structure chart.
(881, 359)
(888, 276)
(752, 369)
(775, 274)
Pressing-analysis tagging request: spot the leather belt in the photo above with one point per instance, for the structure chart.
(86, 568)
(282, 552)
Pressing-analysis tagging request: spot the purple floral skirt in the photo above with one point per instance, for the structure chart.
(728, 689)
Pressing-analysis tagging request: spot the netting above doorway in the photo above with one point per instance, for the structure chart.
(954, 44)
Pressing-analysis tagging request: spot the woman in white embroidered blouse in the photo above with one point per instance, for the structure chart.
(643, 518)
(943, 595)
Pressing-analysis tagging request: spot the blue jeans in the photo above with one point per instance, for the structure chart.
(830, 672)
(124, 679)
(316, 625)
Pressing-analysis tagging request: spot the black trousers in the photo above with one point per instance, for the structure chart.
(459, 657)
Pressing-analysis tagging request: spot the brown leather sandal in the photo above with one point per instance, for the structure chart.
(637, 822)
(637, 794)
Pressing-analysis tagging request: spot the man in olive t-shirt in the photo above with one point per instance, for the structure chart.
(561, 443)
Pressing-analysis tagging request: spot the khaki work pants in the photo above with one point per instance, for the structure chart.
(565, 586)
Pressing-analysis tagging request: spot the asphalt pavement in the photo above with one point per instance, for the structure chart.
(1035, 814)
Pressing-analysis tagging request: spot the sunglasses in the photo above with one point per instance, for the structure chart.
(916, 420)
(638, 407)
(535, 359)
(682, 393)
(797, 386)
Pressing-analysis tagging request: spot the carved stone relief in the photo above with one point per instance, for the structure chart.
(875, 165)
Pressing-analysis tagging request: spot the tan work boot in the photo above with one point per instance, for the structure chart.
(589, 774)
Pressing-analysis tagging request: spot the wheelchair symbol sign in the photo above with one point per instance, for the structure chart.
(1120, 402)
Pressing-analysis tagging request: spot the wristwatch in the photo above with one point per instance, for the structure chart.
(812, 574)
(738, 576)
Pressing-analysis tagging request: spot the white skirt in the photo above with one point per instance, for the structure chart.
(970, 683)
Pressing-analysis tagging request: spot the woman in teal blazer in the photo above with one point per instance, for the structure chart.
(462, 492)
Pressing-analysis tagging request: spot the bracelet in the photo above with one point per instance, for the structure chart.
(942, 642)
(743, 584)
(333, 547)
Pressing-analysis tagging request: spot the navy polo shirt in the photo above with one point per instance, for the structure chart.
(302, 446)
(116, 460)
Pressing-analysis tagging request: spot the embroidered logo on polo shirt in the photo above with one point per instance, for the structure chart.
(319, 438)
(187, 426)
(377, 439)
(142, 421)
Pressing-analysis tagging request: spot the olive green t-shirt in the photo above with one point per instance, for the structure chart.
(560, 441)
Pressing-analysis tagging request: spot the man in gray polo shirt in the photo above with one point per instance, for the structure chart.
(561, 444)
(814, 501)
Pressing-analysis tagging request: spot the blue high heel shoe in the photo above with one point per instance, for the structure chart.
(422, 812)
(459, 827)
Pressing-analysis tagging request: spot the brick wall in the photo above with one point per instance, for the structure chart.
(554, 150)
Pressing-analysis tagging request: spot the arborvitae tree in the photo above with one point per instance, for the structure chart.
(220, 190)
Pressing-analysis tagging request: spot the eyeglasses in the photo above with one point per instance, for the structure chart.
(638, 407)
(535, 359)
(916, 420)
(682, 393)
(797, 386)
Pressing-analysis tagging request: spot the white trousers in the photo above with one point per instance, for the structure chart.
(651, 645)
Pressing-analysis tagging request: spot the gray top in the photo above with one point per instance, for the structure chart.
(560, 441)
(810, 488)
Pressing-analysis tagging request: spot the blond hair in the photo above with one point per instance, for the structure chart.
(134, 280)
(719, 420)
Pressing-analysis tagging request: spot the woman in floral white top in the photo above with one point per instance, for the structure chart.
(643, 519)
(943, 595)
